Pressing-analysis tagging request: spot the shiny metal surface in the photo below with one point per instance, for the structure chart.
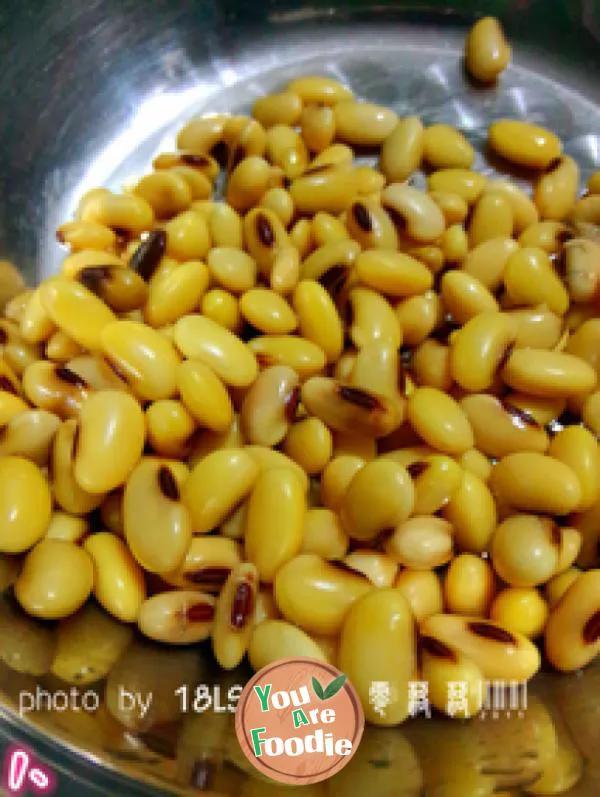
(89, 93)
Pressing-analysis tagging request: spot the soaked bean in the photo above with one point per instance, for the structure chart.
(444, 147)
(166, 192)
(548, 374)
(497, 652)
(217, 485)
(578, 448)
(54, 388)
(222, 308)
(470, 586)
(536, 327)
(520, 610)
(29, 434)
(327, 229)
(441, 667)
(119, 584)
(24, 510)
(309, 443)
(582, 269)
(492, 218)
(303, 356)
(328, 189)
(537, 483)
(233, 626)
(373, 319)
(86, 235)
(56, 580)
(67, 493)
(587, 210)
(225, 227)
(393, 273)
(525, 212)
(556, 190)
(530, 279)
(487, 261)
(318, 318)
(268, 458)
(500, 428)
(439, 420)
(418, 317)
(232, 268)
(117, 211)
(315, 594)
(270, 405)
(378, 644)
(170, 427)
(248, 182)
(422, 590)
(336, 478)
(464, 296)
(110, 441)
(436, 480)
(77, 311)
(177, 617)
(324, 535)
(421, 542)
(424, 220)
(274, 109)
(473, 514)
(487, 53)
(66, 527)
(203, 339)
(463, 182)
(207, 564)
(546, 235)
(571, 639)
(318, 127)
(559, 584)
(205, 396)
(402, 150)
(273, 640)
(268, 312)
(177, 294)
(525, 550)
(341, 253)
(523, 143)
(362, 123)
(321, 90)
(275, 521)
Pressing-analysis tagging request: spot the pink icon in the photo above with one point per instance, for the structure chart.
(22, 773)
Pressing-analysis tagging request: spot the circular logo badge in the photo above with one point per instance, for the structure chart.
(299, 721)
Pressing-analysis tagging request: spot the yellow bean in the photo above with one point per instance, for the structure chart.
(439, 420)
(525, 212)
(487, 261)
(533, 482)
(200, 135)
(170, 427)
(492, 218)
(268, 312)
(586, 523)
(304, 356)
(207, 564)
(268, 458)
(56, 580)
(274, 109)
(546, 235)
(556, 190)
(571, 638)
(454, 244)
(543, 410)
(188, 237)
(75, 310)
(54, 388)
(327, 229)
(464, 296)
(529, 279)
(232, 268)
(301, 238)
(499, 654)
(586, 210)
(233, 627)
(30, 434)
(217, 485)
(270, 405)
(393, 273)
(318, 89)
(418, 317)
(476, 463)
(373, 319)
(309, 443)
(86, 235)
(523, 143)
(380, 496)
(470, 586)
(590, 413)
(336, 478)
(275, 639)
(117, 211)
(463, 182)
(583, 344)
(521, 610)
(275, 521)
(111, 438)
(472, 513)
(536, 327)
(421, 542)
(242, 137)
(341, 253)
(323, 534)
(378, 644)
(248, 182)
(487, 53)
(205, 396)
(119, 581)
(362, 123)
(325, 188)
(166, 192)
(318, 127)
(203, 339)
(66, 527)
(442, 667)
(350, 409)
(68, 494)
(157, 523)
(280, 202)
(222, 308)
(286, 149)
(318, 318)
(548, 373)
(225, 227)
(500, 428)
(177, 617)
(559, 584)
(582, 269)
(315, 594)
(35, 324)
(402, 150)
(143, 357)
(577, 448)
(453, 206)
(424, 220)
(25, 509)
(422, 590)
(177, 294)
(436, 479)
(444, 147)
(376, 368)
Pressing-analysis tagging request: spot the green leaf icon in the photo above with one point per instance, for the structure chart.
(335, 686)
(318, 689)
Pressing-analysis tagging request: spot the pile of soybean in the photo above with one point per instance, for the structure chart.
(331, 415)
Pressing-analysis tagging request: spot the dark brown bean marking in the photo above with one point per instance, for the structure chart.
(519, 417)
(334, 280)
(362, 217)
(346, 568)
(436, 648)
(264, 230)
(70, 377)
(92, 277)
(563, 236)
(3, 336)
(505, 356)
(291, 402)
(553, 165)
(591, 630)
(148, 255)
(200, 613)
(242, 607)
(191, 159)
(492, 632)
(167, 483)
(7, 385)
(416, 469)
(220, 152)
(553, 530)
(358, 397)
(216, 576)
(237, 156)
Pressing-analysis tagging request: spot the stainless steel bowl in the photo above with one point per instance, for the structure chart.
(89, 92)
